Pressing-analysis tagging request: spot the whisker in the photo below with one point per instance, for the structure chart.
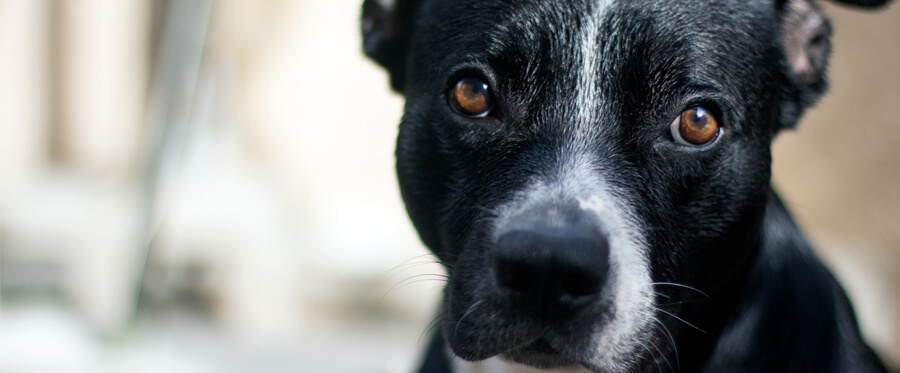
(652, 356)
(661, 294)
(678, 302)
(430, 327)
(468, 311)
(485, 330)
(680, 285)
(662, 355)
(405, 263)
(413, 279)
(679, 319)
(671, 301)
(671, 340)
(407, 283)
(412, 265)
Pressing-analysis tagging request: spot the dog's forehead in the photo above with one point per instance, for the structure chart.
(493, 28)
(580, 53)
(519, 34)
(564, 18)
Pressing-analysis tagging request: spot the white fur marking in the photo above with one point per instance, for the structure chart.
(633, 285)
(590, 53)
(498, 365)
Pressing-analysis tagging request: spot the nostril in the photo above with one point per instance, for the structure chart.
(514, 276)
(579, 285)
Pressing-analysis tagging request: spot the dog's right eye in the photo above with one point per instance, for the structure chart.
(471, 97)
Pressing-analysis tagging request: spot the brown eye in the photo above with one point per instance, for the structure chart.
(470, 97)
(695, 126)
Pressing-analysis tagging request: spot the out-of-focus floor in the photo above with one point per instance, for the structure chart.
(50, 339)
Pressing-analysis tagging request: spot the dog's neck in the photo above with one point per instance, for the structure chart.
(497, 365)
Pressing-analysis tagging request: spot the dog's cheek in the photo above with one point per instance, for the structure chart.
(425, 178)
(443, 178)
(709, 205)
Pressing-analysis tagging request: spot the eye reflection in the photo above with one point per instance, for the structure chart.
(695, 126)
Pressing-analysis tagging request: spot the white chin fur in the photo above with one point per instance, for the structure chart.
(498, 365)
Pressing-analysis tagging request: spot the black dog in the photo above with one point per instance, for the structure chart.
(595, 176)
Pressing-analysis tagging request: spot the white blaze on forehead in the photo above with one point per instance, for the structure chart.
(588, 80)
(630, 283)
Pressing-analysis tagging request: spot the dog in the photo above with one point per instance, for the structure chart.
(595, 177)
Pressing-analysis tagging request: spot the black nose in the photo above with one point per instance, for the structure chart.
(551, 271)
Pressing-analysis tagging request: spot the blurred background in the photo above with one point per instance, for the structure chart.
(208, 186)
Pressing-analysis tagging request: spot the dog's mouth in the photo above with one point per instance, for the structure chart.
(539, 354)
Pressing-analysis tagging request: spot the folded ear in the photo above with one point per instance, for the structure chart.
(805, 35)
(805, 42)
(386, 26)
(865, 3)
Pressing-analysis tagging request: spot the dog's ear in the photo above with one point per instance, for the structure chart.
(805, 41)
(865, 3)
(386, 33)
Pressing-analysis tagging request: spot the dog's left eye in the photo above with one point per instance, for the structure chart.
(471, 97)
(695, 126)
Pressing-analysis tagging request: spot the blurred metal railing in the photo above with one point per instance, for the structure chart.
(178, 61)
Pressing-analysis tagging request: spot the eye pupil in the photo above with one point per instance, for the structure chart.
(699, 119)
(695, 126)
(470, 97)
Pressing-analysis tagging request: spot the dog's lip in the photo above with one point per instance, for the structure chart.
(539, 352)
(540, 345)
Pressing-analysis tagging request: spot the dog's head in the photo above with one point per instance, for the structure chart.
(585, 167)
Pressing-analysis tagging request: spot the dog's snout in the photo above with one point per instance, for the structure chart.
(551, 271)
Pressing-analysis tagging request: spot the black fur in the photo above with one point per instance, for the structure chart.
(708, 217)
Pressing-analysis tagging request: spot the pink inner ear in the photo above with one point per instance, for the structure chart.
(803, 28)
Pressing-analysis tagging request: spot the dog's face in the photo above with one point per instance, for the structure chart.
(590, 171)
